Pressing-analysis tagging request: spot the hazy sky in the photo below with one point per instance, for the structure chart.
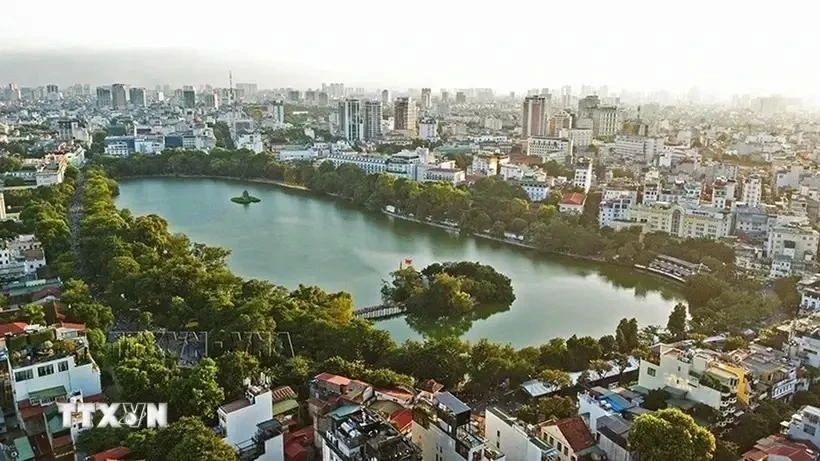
(726, 45)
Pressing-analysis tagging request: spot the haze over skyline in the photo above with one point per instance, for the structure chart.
(724, 47)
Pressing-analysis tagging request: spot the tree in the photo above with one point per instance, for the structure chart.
(34, 314)
(656, 399)
(786, 290)
(545, 408)
(188, 438)
(234, 368)
(555, 378)
(198, 394)
(626, 335)
(677, 322)
(670, 435)
(734, 343)
(600, 367)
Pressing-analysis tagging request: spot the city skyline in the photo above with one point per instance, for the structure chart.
(723, 48)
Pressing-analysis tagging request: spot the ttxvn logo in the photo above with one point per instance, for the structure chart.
(132, 415)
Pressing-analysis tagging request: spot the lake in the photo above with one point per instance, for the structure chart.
(293, 237)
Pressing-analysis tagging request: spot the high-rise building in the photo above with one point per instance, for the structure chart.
(372, 120)
(188, 97)
(211, 100)
(445, 97)
(534, 116)
(137, 97)
(119, 98)
(322, 98)
(385, 97)
(752, 190)
(250, 89)
(404, 117)
(277, 109)
(426, 98)
(585, 106)
(350, 120)
(561, 120)
(53, 92)
(103, 96)
(605, 121)
(461, 98)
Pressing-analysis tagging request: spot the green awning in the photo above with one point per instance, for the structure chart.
(284, 406)
(23, 448)
(48, 394)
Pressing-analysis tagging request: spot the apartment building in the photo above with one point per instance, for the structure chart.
(549, 148)
(698, 375)
(488, 164)
(752, 190)
(536, 190)
(571, 438)
(352, 433)
(680, 192)
(805, 425)
(679, 221)
(583, 175)
(248, 425)
(792, 243)
(615, 205)
(723, 193)
(517, 440)
(443, 430)
(639, 149)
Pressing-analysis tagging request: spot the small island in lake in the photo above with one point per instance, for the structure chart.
(448, 289)
(245, 199)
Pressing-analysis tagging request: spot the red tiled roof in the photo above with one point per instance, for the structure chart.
(95, 398)
(572, 198)
(575, 431)
(431, 386)
(401, 419)
(14, 328)
(72, 326)
(780, 446)
(31, 412)
(333, 379)
(61, 441)
(295, 451)
(114, 454)
(282, 393)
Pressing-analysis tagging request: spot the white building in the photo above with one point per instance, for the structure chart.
(355, 433)
(792, 243)
(640, 149)
(297, 154)
(247, 425)
(251, 140)
(615, 206)
(605, 121)
(679, 221)
(453, 176)
(371, 164)
(511, 171)
(571, 438)
(549, 148)
(443, 430)
(517, 440)
(42, 376)
(805, 425)
(350, 120)
(488, 164)
(428, 129)
(723, 193)
(583, 175)
(752, 191)
(536, 190)
(580, 137)
(698, 375)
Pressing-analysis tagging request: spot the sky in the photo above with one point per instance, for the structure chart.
(724, 46)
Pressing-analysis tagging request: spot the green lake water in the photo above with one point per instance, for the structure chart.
(293, 237)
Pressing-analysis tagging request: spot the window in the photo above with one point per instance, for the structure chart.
(650, 371)
(45, 370)
(23, 375)
(566, 450)
(62, 366)
(808, 429)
